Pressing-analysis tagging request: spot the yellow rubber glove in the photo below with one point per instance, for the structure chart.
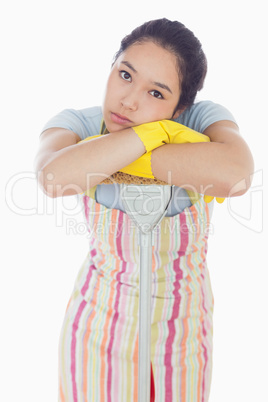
(158, 133)
(209, 198)
(140, 167)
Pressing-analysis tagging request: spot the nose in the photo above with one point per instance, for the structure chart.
(130, 101)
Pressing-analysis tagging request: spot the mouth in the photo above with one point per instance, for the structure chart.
(120, 119)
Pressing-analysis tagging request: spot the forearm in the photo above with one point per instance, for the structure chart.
(216, 169)
(78, 167)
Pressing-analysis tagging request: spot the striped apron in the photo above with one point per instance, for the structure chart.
(98, 348)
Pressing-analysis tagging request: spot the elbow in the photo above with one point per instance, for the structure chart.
(55, 186)
(243, 171)
(45, 178)
(234, 180)
(241, 180)
(54, 180)
(47, 183)
(237, 169)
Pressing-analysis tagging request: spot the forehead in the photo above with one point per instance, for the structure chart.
(152, 62)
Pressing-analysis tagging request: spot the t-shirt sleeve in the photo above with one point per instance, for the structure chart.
(201, 115)
(85, 122)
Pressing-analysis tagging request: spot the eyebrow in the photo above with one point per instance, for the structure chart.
(164, 86)
(129, 66)
(159, 84)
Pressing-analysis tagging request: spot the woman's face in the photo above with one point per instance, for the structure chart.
(143, 86)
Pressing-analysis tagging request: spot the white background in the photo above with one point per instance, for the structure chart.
(56, 55)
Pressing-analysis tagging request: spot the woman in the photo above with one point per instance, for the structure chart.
(156, 74)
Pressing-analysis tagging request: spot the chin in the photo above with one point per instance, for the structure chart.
(113, 127)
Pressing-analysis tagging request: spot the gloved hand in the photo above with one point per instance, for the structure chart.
(158, 133)
(140, 167)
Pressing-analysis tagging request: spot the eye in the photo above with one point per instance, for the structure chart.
(156, 94)
(125, 75)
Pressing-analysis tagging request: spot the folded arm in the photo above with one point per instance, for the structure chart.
(66, 167)
(221, 168)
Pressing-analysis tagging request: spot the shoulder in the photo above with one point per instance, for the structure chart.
(83, 122)
(202, 114)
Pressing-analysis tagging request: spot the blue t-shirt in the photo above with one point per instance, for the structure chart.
(87, 122)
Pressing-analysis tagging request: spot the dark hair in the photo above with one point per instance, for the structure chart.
(175, 37)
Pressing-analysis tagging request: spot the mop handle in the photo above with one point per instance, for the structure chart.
(146, 205)
(145, 287)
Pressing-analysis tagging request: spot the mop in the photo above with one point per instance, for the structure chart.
(146, 205)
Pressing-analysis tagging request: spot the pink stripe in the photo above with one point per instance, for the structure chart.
(128, 252)
(203, 324)
(205, 365)
(116, 307)
(205, 354)
(89, 275)
(204, 347)
(85, 199)
(73, 347)
(175, 313)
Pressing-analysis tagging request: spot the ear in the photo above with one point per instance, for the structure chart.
(178, 112)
